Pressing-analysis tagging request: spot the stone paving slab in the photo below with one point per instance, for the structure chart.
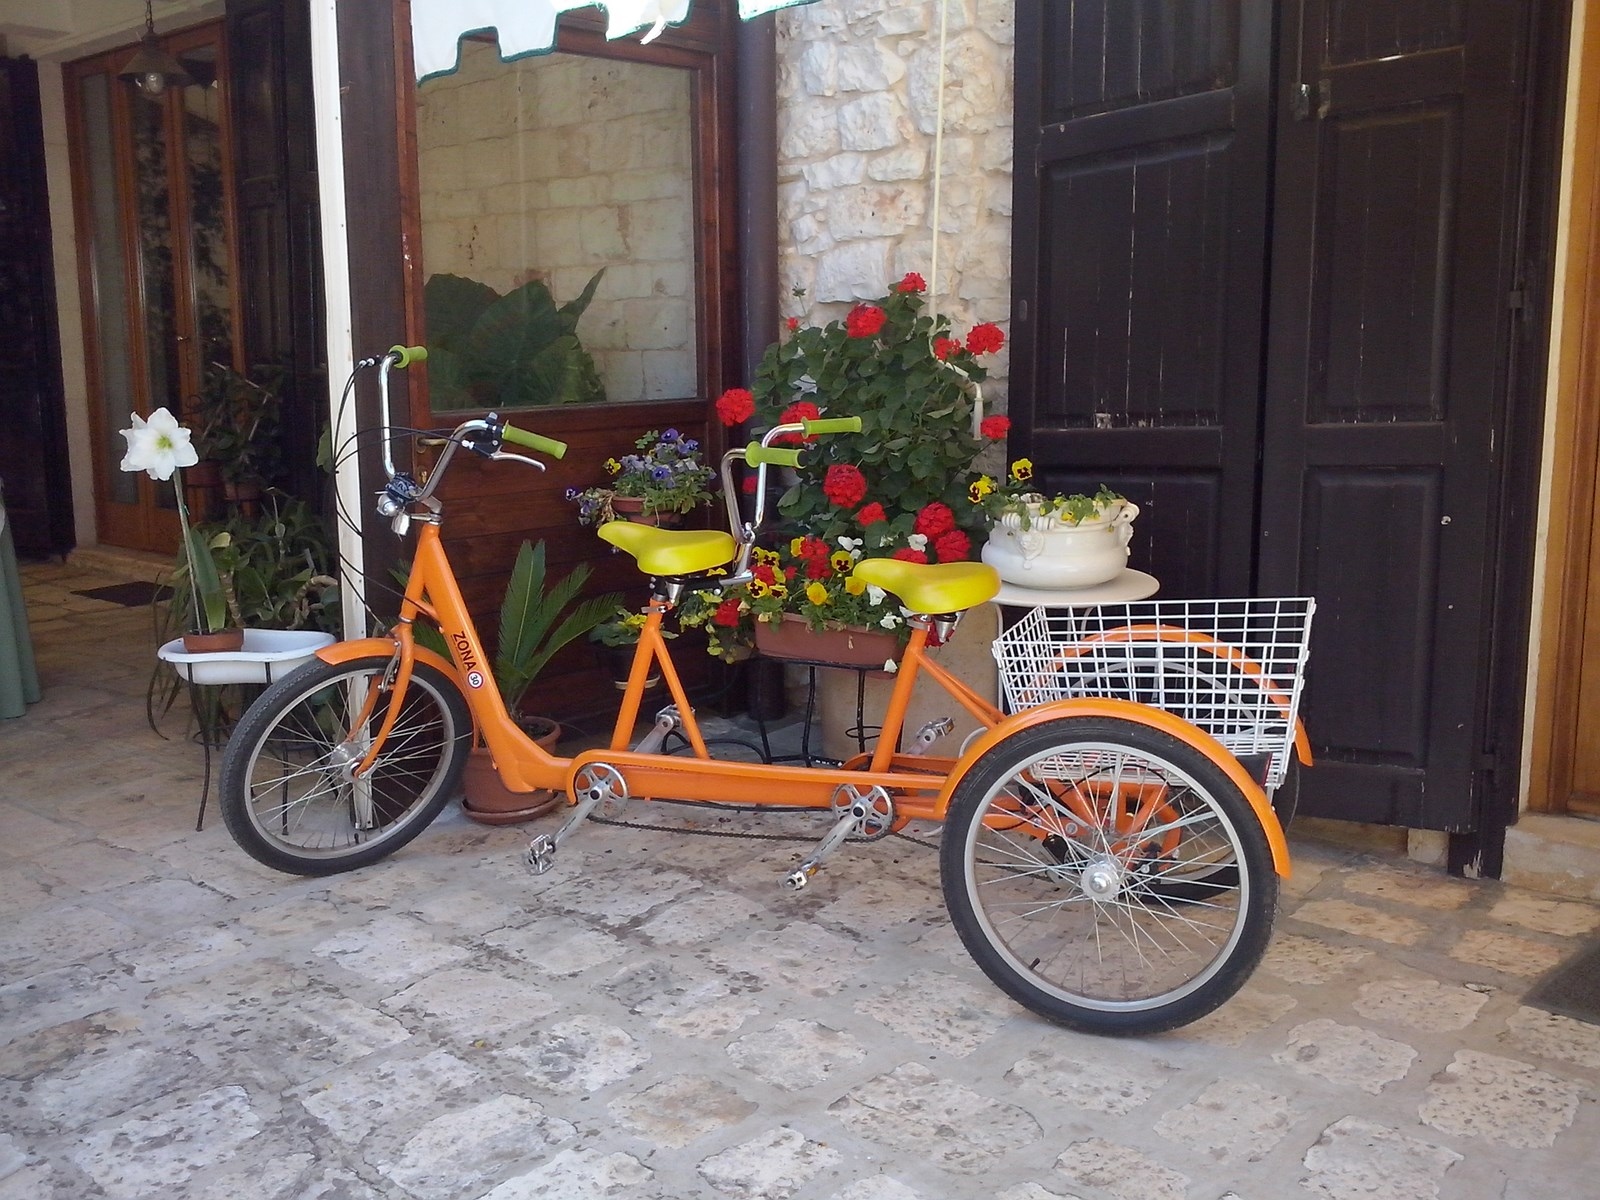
(656, 1019)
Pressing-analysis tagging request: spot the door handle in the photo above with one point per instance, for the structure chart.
(1303, 109)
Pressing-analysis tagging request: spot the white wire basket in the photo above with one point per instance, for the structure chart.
(1234, 668)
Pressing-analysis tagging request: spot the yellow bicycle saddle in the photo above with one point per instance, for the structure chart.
(932, 587)
(670, 551)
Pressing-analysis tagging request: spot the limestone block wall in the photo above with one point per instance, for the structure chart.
(553, 166)
(858, 107)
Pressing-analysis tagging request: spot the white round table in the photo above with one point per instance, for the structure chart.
(1126, 585)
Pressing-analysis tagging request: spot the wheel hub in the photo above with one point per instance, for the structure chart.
(1102, 879)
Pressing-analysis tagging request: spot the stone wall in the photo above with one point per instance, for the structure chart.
(858, 107)
(553, 166)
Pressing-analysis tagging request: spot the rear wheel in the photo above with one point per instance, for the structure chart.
(1107, 875)
(288, 794)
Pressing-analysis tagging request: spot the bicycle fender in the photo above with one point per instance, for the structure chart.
(343, 652)
(1143, 714)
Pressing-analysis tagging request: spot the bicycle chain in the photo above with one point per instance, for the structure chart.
(726, 833)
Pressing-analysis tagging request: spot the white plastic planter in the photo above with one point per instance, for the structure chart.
(267, 655)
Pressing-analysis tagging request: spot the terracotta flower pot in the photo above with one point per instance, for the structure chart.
(224, 641)
(631, 508)
(489, 802)
(844, 645)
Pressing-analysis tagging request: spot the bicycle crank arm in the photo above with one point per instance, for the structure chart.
(801, 875)
(597, 784)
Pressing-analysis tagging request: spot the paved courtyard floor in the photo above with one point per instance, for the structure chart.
(657, 1020)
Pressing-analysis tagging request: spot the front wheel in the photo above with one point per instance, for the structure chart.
(1107, 876)
(288, 792)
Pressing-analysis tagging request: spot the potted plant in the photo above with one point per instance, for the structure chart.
(898, 488)
(1055, 541)
(519, 350)
(161, 448)
(656, 486)
(538, 617)
(237, 429)
(615, 639)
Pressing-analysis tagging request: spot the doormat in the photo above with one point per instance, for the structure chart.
(130, 594)
(1573, 988)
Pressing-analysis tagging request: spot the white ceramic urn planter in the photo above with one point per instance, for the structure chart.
(1054, 552)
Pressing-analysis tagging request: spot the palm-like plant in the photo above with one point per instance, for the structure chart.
(539, 617)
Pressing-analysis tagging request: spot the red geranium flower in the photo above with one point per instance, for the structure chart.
(765, 574)
(792, 324)
(907, 554)
(812, 547)
(736, 405)
(864, 320)
(800, 410)
(953, 546)
(912, 283)
(818, 568)
(844, 485)
(935, 518)
(748, 485)
(995, 427)
(871, 514)
(985, 338)
(727, 613)
(944, 347)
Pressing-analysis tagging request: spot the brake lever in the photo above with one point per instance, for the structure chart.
(503, 456)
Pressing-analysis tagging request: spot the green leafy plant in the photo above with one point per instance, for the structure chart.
(538, 617)
(519, 350)
(237, 425)
(620, 629)
(1015, 496)
(668, 476)
(913, 386)
(271, 571)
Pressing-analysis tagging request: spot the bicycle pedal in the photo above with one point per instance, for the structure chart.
(798, 878)
(541, 854)
(930, 733)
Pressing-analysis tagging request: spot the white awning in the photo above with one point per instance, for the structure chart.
(529, 26)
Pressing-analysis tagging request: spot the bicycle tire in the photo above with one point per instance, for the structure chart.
(1078, 911)
(285, 793)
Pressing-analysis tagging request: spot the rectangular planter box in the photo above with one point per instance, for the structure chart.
(268, 655)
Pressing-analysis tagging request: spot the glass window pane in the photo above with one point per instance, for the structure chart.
(202, 129)
(111, 283)
(537, 175)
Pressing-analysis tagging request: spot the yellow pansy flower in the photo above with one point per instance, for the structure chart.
(612, 466)
(841, 561)
(794, 546)
(758, 589)
(817, 592)
(855, 586)
(1022, 470)
(981, 487)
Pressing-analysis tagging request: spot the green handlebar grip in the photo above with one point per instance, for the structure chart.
(534, 441)
(406, 355)
(833, 425)
(778, 456)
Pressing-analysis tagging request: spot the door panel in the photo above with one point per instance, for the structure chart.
(33, 452)
(1139, 267)
(1386, 368)
(1332, 429)
(155, 216)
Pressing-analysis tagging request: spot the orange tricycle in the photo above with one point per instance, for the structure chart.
(1108, 863)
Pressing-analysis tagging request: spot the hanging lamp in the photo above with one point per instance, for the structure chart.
(151, 69)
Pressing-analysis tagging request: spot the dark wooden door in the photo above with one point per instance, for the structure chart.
(1336, 428)
(1140, 267)
(1391, 307)
(33, 450)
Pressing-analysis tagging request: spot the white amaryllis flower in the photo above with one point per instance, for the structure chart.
(158, 446)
